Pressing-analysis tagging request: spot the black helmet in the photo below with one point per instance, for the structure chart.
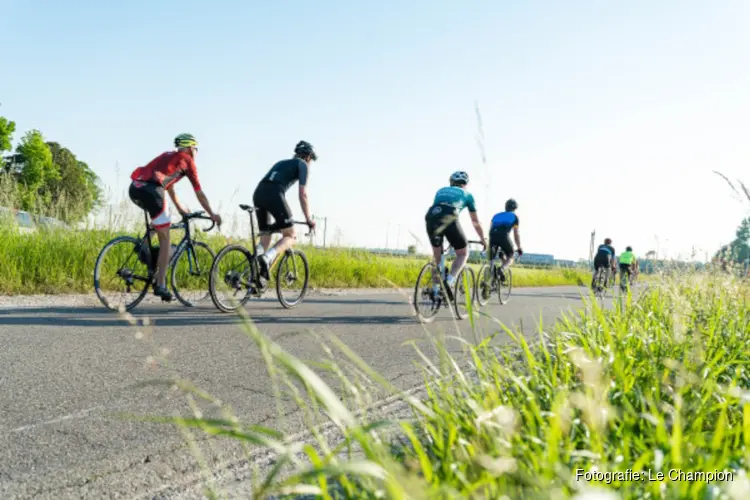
(607, 241)
(304, 148)
(629, 249)
(511, 205)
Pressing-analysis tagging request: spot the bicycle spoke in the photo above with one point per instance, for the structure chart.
(190, 273)
(292, 278)
(121, 278)
(231, 278)
(426, 300)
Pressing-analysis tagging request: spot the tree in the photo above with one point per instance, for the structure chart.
(411, 249)
(650, 254)
(34, 171)
(739, 248)
(76, 191)
(7, 128)
(45, 177)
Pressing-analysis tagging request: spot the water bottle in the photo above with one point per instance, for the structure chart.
(259, 249)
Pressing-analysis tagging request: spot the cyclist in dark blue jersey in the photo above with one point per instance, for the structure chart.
(500, 228)
(604, 258)
(441, 221)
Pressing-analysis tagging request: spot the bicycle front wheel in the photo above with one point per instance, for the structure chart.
(230, 280)
(119, 271)
(484, 285)
(191, 270)
(293, 271)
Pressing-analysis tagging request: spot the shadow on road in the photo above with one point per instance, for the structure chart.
(205, 316)
(548, 295)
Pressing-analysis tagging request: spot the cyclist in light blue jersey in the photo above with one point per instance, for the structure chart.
(441, 221)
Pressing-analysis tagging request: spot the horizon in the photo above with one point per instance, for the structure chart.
(595, 117)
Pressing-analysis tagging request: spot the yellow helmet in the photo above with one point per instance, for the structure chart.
(185, 141)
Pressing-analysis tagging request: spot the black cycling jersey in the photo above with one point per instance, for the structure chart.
(287, 172)
(605, 251)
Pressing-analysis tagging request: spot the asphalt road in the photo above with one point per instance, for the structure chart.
(65, 370)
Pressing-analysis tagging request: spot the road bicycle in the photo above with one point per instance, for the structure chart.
(627, 278)
(243, 276)
(431, 275)
(601, 277)
(493, 279)
(190, 262)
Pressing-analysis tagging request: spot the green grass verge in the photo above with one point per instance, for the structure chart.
(63, 262)
(658, 388)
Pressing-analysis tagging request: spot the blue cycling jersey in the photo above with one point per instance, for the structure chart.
(504, 221)
(456, 197)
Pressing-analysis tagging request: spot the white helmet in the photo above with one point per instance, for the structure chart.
(459, 178)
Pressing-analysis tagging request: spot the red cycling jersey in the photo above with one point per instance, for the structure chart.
(168, 168)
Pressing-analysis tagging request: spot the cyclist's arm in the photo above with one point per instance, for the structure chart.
(517, 236)
(304, 202)
(477, 225)
(180, 208)
(471, 205)
(192, 174)
(204, 203)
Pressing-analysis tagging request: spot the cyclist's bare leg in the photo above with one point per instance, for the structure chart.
(437, 254)
(507, 260)
(265, 240)
(458, 264)
(163, 259)
(287, 240)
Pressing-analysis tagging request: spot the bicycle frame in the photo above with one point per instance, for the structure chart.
(444, 256)
(186, 240)
(273, 229)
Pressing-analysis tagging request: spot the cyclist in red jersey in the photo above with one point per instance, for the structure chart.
(147, 192)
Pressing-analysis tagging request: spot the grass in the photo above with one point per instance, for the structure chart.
(657, 386)
(53, 262)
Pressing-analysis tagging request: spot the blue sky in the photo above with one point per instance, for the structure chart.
(597, 115)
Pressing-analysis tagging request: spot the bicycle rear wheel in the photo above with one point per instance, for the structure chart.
(426, 303)
(293, 269)
(129, 277)
(484, 285)
(191, 268)
(599, 283)
(230, 280)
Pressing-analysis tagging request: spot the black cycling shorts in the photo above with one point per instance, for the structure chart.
(442, 221)
(269, 199)
(602, 260)
(500, 238)
(150, 197)
(625, 268)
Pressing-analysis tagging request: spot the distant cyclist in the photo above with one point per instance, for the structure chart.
(500, 228)
(627, 258)
(270, 199)
(441, 221)
(147, 192)
(604, 259)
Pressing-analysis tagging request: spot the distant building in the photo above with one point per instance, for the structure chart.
(537, 259)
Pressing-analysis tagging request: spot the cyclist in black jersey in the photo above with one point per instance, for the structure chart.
(270, 200)
(605, 257)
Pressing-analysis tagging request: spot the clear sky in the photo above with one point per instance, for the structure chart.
(606, 115)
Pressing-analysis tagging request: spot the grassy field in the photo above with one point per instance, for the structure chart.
(63, 262)
(648, 399)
